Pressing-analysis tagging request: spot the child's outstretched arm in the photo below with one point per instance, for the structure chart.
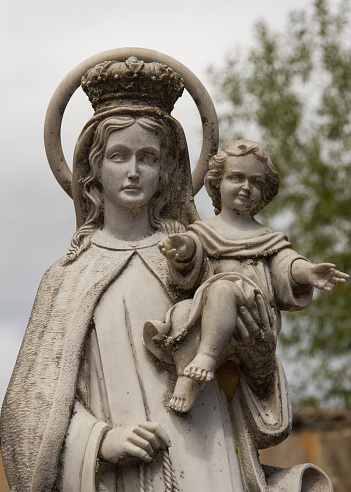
(177, 247)
(321, 275)
(185, 259)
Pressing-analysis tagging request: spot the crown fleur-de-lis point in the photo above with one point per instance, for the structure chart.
(134, 64)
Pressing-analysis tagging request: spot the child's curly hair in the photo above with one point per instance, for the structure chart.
(214, 176)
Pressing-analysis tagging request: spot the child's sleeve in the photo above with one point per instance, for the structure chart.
(187, 274)
(289, 296)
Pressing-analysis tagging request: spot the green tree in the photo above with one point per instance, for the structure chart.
(291, 92)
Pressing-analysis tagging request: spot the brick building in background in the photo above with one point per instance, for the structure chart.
(321, 438)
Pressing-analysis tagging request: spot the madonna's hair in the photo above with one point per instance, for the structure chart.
(92, 188)
(214, 176)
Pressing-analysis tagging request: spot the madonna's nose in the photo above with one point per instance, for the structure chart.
(133, 172)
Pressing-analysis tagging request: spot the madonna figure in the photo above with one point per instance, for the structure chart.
(86, 409)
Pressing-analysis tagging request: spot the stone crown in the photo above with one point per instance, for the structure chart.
(132, 82)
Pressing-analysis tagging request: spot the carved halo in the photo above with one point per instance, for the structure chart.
(59, 101)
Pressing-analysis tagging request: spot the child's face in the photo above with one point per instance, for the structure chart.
(242, 183)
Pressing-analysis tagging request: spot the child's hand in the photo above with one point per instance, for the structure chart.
(177, 247)
(323, 275)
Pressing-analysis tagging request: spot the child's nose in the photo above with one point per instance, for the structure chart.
(246, 184)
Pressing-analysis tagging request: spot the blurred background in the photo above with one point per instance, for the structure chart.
(279, 74)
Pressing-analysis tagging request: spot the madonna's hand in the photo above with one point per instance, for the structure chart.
(141, 442)
(256, 344)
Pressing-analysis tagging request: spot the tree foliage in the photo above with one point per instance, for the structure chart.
(291, 92)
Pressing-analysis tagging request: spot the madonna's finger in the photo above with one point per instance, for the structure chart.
(249, 321)
(242, 331)
(158, 430)
(132, 449)
(142, 444)
(262, 311)
(151, 438)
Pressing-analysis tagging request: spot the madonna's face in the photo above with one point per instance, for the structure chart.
(131, 167)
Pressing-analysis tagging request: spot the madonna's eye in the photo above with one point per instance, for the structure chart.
(117, 157)
(148, 158)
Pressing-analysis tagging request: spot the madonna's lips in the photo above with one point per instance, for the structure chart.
(132, 187)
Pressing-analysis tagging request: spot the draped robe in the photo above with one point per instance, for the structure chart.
(65, 394)
(259, 264)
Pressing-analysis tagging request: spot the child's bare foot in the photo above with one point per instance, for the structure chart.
(202, 368)
(185, 393)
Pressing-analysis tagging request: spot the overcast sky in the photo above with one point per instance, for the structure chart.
(42, 41)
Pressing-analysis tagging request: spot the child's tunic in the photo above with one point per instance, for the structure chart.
(261, 264)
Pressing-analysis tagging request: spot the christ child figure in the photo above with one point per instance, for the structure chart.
(248, 267)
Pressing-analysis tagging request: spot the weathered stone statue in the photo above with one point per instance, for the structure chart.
(87, 408)
(246, 266)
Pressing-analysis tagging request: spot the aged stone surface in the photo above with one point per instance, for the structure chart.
(323, 438)
(97, 404)
(244, 268)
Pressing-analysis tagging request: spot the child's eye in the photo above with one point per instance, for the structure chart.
(236, 178)
(258, 183)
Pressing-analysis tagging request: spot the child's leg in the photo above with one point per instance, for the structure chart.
(186, 389)
(217, 326)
